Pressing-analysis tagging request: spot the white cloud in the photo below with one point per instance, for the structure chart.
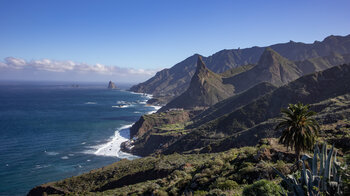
(72, 68)
(15, 63)
(3, 65)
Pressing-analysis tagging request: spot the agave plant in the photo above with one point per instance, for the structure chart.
(321, 179)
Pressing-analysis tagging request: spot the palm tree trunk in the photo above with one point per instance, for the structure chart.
(297, 152)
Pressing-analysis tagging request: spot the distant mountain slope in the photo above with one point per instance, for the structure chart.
(308, 89)
(272, 68)
(321, 63)
(174, 81)
(206, 88)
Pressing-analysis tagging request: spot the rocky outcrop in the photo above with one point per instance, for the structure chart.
(111, 85)
(47, 190)
(157, 131)
(149, 121)
(206, 89)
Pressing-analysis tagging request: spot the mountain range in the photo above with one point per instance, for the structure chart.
(174, 81)
(207, 88)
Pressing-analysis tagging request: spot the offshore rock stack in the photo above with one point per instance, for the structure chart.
(111, 85)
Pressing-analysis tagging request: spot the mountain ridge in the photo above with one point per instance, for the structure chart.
(271, 67)
(173, 81)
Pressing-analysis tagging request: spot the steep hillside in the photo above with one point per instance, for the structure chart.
(231, 104)
(206, 88)
(174, 81)
(308, 89)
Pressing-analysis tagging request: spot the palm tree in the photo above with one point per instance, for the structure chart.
(299, 129)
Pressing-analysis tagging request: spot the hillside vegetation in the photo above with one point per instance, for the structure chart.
(217, 173)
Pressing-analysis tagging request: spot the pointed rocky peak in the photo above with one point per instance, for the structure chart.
(200, 65)
(206, 88)
(270, 57)
(203, 74)
(272, 68)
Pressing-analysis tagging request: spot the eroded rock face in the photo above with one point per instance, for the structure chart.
(154, 132)
(111, 85)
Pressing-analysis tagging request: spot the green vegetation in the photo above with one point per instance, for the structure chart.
(262, 188)
(169, 127)
(299, 128)
(200, 174)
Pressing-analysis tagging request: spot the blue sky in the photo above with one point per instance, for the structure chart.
(148, 35)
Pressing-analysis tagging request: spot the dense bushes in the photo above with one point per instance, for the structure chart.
(262, 188)
(223, 173)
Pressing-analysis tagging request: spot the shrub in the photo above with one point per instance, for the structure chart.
(203, 181)
(262, 188)
(216, 192)
(161, 193)
(200, 193)
(247, 167)
(227, 185)
(174, 191)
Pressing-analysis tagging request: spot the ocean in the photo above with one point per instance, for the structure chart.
(49, 132)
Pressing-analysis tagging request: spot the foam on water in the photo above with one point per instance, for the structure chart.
(51, 153)
(90, 103)
(156, 108)
(112, 147)
(121, 106)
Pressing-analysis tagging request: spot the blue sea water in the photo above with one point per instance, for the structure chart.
(51, 132)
